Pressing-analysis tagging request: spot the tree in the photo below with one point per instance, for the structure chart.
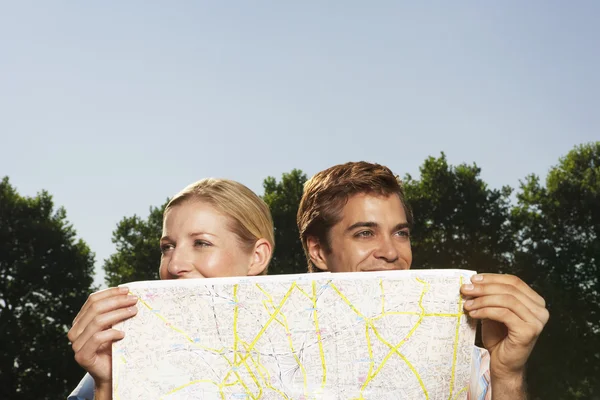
(45, 277)
(283, 198)
(559, 255)
(458, 221)
(550, 239)
(138, 249)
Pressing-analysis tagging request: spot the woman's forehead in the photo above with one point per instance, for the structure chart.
(194, 215)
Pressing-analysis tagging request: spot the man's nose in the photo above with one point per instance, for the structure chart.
(180, 265)
(386, 251)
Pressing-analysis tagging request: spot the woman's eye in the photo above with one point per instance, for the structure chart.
(201, 243)
(166, 247)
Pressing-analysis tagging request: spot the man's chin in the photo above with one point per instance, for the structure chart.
(375, 268)
(386, 268)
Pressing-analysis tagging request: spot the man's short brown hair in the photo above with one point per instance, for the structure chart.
(326, 194)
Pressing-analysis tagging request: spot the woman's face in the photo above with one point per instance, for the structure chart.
(197, 243)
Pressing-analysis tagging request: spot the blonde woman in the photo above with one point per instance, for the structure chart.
(212, 228)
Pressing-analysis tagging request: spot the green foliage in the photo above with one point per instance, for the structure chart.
(549, 238)
(138, 249)
(283, 198)
(558, 229)
(45, 277)
(458, 221)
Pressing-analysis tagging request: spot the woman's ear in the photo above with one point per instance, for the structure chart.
(261, 256)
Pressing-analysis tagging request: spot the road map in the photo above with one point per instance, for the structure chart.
(363, 335)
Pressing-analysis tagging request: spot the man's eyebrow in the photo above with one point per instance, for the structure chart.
(165, 239)
(375, 225)
(362, 224)
(402, 225)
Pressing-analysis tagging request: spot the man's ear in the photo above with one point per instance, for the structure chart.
(316, 252)
(261, 256)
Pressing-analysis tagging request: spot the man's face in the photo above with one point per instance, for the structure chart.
(372, 235)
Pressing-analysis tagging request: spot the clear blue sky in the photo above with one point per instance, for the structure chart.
(114, 106)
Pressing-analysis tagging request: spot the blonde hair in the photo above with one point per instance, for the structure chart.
(250, 215)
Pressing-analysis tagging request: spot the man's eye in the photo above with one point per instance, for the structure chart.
(404, 233)
(364, 234)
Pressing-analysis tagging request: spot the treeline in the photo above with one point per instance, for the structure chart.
(548, 234)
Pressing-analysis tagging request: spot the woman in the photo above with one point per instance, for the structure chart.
(212, 228)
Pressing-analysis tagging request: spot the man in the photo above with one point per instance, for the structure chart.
(353, 217)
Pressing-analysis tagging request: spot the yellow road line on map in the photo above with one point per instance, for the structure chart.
(461, 391)
(318, 331)
(224, 380)
(442, 315)
(371, 362)
(219, 352)
(224, 384)
(265, 292)
(395, 348)
(285, 326)
(181, 332)
(291, 344)
(189, 339)
(241, 381)
(368, 323)
(177, 389)
(270, 300)
(236, 339)
(270, 320)
(269, 312)
(313, 299)
(426, 286)
(235, 320)
(303, 292)
(264, 328)
(375, 318)
(345, 299)
(455, 344)
(267, 382)
(256, 382)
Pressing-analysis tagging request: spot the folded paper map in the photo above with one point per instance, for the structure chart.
(364, 335)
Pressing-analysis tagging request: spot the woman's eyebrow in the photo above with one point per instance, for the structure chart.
(201, 233)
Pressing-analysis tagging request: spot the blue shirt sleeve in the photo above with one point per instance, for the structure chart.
(85, 389)
(480, 388)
